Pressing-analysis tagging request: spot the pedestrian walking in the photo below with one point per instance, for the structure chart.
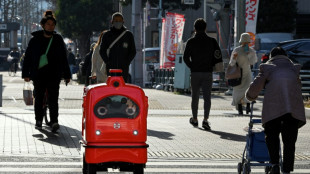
(13, 57)
(244, 56)
(201, 54)
(98, 70)
(71, 61)
(283, 109)
(87, 64)
(117, 47)
(45, 63)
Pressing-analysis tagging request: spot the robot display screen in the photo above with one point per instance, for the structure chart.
(116, 106)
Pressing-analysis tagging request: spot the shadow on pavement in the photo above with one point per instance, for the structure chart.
(228, 136)
(66, 136)
(160, 134)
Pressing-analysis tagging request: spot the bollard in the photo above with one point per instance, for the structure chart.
(0, 90)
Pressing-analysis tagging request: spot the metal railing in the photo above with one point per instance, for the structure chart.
(165, 77)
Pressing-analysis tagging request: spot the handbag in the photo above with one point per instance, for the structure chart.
(233, 75)
(233, 72)
(43, 57)
(234, 82)
(27, 94)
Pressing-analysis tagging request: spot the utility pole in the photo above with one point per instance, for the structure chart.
(239, 20)
(159, 22)
(136, 24)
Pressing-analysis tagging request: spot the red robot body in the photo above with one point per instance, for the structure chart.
(114, 126)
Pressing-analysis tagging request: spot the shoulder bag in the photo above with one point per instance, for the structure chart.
(112, 44)
(43, 58)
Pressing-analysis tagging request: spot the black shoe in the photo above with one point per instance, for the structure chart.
(192, 122)
(240, 110)
(275, 169)
(38, 125)
(55, 127)
(248, 108)
(206, 125)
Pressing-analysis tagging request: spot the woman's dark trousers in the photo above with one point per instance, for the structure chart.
(52, 87)
(288, 127)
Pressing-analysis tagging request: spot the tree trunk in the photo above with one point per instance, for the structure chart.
(84, 44)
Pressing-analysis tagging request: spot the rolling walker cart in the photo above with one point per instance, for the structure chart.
(114, 126)
(255, 152)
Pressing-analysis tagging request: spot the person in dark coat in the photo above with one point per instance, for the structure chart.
(123, 51)
(15, 55)
(48, 77)
(283, 107)
(86, 67)
(71, 60)
(201, 54)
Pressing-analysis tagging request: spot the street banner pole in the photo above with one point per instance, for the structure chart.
(251, 12)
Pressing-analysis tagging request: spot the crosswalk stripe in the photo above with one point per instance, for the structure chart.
(40, 163)
(41, 170)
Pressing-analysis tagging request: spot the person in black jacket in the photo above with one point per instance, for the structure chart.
(86, 66)
(15, 58)
(201, 54)
(48, 77)
(71, 60)
(123, 51)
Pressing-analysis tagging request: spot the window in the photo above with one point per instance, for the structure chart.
(155, 39)
(304, 48)
(116, 106)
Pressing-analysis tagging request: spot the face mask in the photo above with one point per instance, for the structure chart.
(49, 33)
(117, 25)
(246, 48)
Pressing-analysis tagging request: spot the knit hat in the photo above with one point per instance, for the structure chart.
(245, 37)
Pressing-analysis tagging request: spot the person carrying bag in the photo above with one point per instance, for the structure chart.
(117, 48)
(240, 62)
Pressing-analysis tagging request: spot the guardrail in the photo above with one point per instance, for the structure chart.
(165, 78)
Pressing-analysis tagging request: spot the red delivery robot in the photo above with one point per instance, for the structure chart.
(114, 127)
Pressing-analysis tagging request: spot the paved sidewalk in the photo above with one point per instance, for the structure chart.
(169, 133)
(169, 136)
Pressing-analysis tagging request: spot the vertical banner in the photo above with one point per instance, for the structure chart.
(172, 32)
(251, 12)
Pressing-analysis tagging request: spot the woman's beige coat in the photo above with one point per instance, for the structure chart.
(244, 60)
(282, 95)
(98, 66)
